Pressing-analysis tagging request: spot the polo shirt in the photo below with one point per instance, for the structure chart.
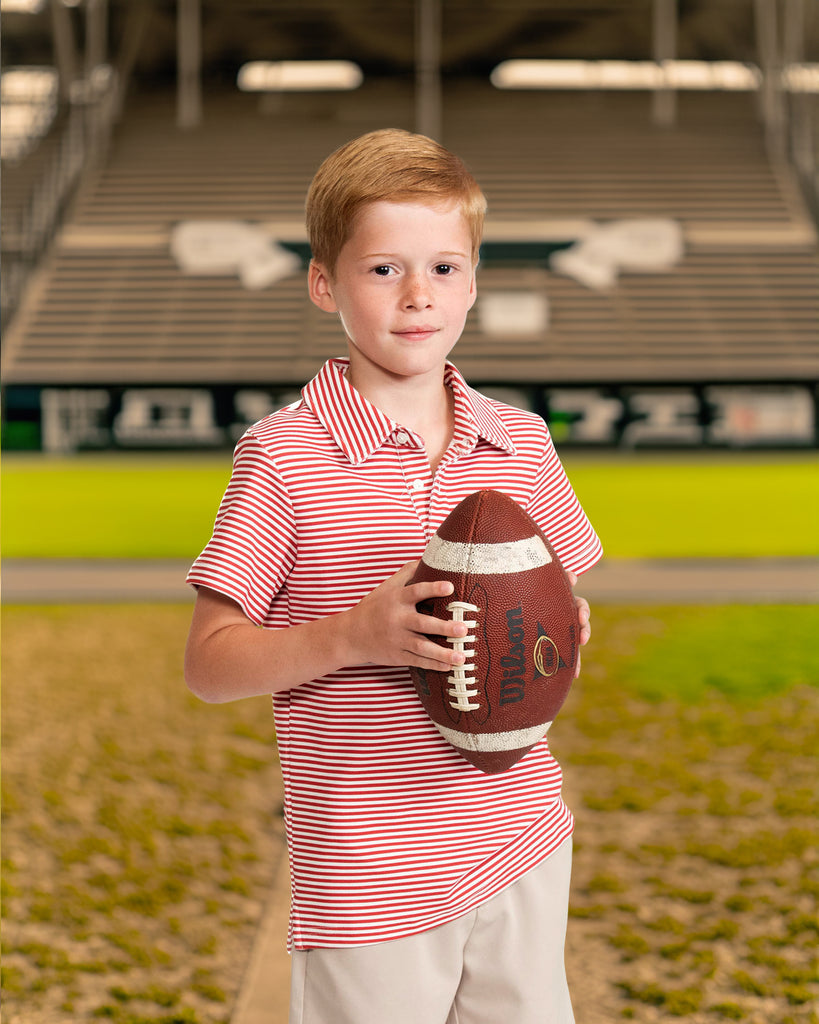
(390, 831)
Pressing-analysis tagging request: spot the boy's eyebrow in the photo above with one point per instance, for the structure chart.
(392, 255)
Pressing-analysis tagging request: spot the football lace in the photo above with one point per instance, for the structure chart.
(463, 685)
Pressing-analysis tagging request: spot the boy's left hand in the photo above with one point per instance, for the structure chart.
(584, 619)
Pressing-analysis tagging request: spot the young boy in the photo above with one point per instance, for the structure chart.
(423, 890)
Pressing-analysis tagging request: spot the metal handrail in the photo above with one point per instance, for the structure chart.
(83, 128)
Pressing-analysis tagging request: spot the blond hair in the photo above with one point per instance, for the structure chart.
(390, 165)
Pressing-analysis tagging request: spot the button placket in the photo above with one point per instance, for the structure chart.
(415, 471)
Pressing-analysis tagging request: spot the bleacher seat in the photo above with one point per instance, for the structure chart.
(110, 306)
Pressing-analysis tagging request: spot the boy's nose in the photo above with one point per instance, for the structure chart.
(417, 293)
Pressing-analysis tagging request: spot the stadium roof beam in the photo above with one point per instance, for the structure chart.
(428, 103)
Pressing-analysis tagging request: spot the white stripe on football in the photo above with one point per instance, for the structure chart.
(486, 559)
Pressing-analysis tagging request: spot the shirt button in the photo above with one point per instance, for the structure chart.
(402, 437)
(417, 485)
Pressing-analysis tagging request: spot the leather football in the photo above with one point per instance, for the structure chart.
(522, 646)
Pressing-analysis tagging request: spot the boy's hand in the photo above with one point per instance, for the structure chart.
(583, 618)
(387, 629)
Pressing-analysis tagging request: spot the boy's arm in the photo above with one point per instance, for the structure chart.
(228, 657)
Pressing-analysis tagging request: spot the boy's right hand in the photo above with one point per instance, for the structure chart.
(387, 629)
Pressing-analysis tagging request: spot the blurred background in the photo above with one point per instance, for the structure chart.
(649, 284)
(650, 271)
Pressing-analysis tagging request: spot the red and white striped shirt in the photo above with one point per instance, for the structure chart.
(390, 831)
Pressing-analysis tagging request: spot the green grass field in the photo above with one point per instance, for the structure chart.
(133, 506)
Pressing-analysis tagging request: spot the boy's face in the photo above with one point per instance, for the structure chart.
(402, 286)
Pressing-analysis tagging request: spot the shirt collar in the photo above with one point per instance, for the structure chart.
(477, 414)
(359, 428)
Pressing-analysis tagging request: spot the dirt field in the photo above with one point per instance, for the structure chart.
(142, 829)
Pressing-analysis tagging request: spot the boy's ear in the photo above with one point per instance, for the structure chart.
(320, 287)
(473, 287)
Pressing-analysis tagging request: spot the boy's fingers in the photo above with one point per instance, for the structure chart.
(435, 657)
(584, 618)
(427, 624)
(418, 592)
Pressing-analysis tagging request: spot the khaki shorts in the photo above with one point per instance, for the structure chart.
(501, 964)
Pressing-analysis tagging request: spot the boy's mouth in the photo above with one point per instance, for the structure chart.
(419, 333)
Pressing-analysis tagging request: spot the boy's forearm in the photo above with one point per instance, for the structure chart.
(240, 660)
(228, 657)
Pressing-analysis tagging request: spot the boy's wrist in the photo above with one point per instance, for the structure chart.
(342, 639)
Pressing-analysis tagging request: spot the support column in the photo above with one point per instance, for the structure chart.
(65, 50)
(664, 43)
(96, 34)
(428, 101)
(188, 63)
(767, 42)
(800, 112)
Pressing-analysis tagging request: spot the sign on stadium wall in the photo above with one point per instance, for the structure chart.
(720, 415)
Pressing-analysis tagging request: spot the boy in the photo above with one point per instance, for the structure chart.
(422, 890)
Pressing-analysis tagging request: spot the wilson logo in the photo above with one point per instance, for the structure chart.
(514, 663)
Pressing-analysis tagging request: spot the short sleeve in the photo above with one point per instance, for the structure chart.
(253, 545)
(556, 510)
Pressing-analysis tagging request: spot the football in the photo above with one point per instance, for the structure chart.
(522, 646)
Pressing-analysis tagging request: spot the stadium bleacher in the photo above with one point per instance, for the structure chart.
(109, 306)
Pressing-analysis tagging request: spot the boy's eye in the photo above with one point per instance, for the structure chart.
(444, 268)
(382, 271)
